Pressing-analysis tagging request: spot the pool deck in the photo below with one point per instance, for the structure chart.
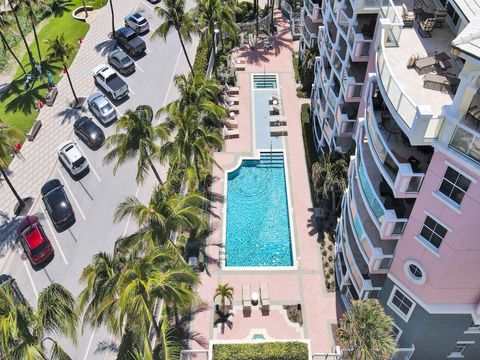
(302, 285)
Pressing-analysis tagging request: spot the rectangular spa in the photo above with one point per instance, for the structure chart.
(257, 215)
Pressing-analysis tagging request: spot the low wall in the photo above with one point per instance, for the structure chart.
(80, 10)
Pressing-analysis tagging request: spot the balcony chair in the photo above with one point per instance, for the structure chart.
(426, 26)
(246, 299)
(407, 16)
(426, 64)
(264, 297)
(440, 15)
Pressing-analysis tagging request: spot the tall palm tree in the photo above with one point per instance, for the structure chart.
(14, 12)
(212, 14)
(32, 5)
(27, 333)
(175, 18)
(60, 50)
(192, 143)
(225, 292)
(164, 213)
(113, 18)
(8, 136)
(364, 334)
(329, 175)
(5, 24)
(135, 137)
(201, 93)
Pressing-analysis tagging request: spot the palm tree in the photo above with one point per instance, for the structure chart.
(174, 17)
(213, 14)
(14, 12)
(201, 93)
(329, 175)
(8, 136)
(225, 292)
(364, 334)
(5, 24)
(59, 50)
(113, 19)
(135, 137)
(192, 143)
(31, 6)
(27, 333)
(164, 213)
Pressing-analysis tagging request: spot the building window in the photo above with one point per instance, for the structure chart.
(401, 303)
(452, 14)
(415, 272)
(460, 349)
(433, 232)
(454, 185)
(443, 2)
(396, 332)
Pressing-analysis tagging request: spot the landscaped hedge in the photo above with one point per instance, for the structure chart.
(262, 351)
(310, 152)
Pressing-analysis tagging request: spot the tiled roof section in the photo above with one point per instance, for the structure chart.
(469, 8)
(468, 41)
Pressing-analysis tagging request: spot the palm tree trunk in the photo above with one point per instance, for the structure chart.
(272, 24)
(255, 4)
(175, 311)
(85, 8)
(5, 43)
(30, 56)
(185, 52)
(157, 175)
(279, 4)
(71, 85)
(32, 20)
(113, 18)
(15, 193)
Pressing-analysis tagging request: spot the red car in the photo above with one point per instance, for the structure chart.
(34, 240)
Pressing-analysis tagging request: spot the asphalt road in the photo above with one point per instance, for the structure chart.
(96, 195)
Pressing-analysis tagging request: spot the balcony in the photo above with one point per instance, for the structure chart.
(402, 88)
(403, 166)
(360, 36)
(466, 137)
(313, 8)
(345, 117)
(353, 80)
(331, 31)
(309, 30)
(389, 214)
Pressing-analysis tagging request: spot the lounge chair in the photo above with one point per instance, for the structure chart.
(440, 15)
(426, 64)
(246, 296)
(232, 123)
(234, 109)
(407, 16)
(278, 131)
(264, 297)
(230, 101)
(436, 82)
(278, 121)
(425, 27)
(232, 90)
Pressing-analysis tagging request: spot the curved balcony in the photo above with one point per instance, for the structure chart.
(389, 214)
(313, 9)
(403, 166)
(309, 30)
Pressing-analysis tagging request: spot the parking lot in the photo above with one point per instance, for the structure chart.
(95, 196)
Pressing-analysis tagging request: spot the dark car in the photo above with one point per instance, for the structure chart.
(34, 241)
(8, 284)
(90, 133)
(121, 62)
(130, 41)
(58, 206)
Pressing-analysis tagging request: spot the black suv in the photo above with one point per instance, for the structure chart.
(57, 204)
(130, 41)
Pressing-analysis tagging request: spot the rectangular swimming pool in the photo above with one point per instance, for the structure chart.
(257, 222)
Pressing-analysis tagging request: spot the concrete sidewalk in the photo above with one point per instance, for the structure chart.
(29, 174)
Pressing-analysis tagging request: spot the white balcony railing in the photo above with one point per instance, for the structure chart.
(310, 37)
(313, 10)
(399, 175)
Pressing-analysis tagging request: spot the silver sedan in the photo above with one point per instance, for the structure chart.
(101, 107)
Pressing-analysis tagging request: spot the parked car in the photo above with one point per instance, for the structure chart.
(153, 1)
(34, 241)
(136, 22)
(90, 133)
(109, 81)
(130, 41)
(58, 206)
(72, 158)
(119, 60)
(99, 105)
(7, 283)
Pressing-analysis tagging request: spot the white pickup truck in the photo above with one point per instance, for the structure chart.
(110, 82)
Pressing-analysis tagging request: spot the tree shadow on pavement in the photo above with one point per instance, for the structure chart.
(105, 47)
(8, 228)
(69, 115)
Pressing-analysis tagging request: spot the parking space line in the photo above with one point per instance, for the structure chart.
(73, 196)
(148, 50)
(118, 111)
(171, 82)
(131, 90)
(89, 163)
(30, 278)
(52, 230)
(138, 67)
(89, 345)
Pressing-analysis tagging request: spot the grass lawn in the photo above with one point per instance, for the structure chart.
(17, 107)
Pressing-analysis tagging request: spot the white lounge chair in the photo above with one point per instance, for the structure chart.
(246, 296)
(264, 297)
(232, 123)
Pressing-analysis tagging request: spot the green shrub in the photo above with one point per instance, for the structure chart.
(326, 264)
(330, 247)
(295, 67)
(310, 152)
(324, 252)
(302, 93)
(328, 276)
(263, 351)
(200, 64)
(330, 258)
(330, 271)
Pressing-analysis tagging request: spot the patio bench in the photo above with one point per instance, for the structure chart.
(34, 130)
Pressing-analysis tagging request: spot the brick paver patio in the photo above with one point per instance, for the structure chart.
(304, 285)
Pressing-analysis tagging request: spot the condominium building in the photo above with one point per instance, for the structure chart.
(399, 86)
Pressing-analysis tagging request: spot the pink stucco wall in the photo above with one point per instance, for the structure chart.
(452, 274)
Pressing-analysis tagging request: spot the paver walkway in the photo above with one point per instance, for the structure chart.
(304, 285)
(29, 174)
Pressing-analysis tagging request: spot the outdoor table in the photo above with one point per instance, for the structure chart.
(255, 298)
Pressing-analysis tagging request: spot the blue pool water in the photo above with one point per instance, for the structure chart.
(258, 226)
